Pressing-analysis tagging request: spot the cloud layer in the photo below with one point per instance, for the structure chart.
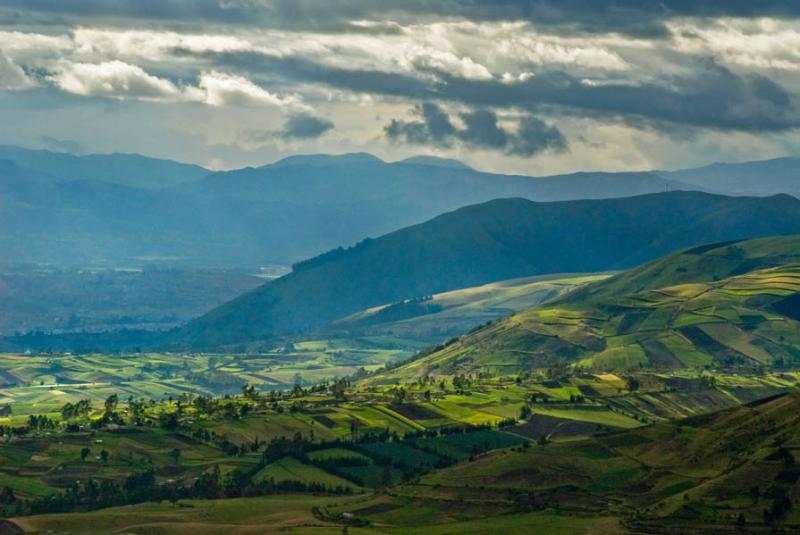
(520, 80)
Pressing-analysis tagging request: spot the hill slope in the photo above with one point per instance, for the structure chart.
(713, 473)
(433, 318)
(498, 240)
(729, 304)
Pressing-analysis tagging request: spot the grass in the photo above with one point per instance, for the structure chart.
(336, 453)
(36, 384)
(550, 523)
(602, 417)
(290, 469)
(461, 446)
(684, 311)
(196, 517)
(396, 452)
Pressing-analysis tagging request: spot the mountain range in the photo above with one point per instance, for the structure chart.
(129, 210)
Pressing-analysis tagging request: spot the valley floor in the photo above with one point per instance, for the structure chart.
(575, 453)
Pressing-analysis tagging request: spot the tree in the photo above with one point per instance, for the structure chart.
(168, 420)
(399, 395)
(524, 412)
(786, 456)
(386, 477)
(85, 453)
(632, 383)
(7, 496)
(111, 403)
(104, 456)
(249, 391)
(176, 455)
(338, 389)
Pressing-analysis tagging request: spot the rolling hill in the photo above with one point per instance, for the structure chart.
(431, 319)
(498, 240)
(731, 304)
(731, 471)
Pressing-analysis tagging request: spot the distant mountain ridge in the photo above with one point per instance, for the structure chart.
(497, 240)
(129, 210)
(766, 177)
(131, 170)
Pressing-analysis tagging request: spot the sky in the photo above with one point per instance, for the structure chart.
(535, 87)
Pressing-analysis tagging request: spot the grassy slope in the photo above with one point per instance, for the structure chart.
(455, 312)
(715, 306)
(498, 240)
(699, 471)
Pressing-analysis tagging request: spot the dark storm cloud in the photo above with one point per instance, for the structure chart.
(305, 127)
(712, 96)
(481, 130)
(534, 135)
(644, 18)
(434, 127)
(300, 126)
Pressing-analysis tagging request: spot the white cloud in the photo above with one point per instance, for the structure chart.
(120, 80)
(29, 46)
(754, 44)
(12, 76)
(220, 89)
(114, 79)
(151, 45)
(464, 67)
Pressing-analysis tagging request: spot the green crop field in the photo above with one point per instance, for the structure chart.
(289, 469)
(605, 410)
(653, 317)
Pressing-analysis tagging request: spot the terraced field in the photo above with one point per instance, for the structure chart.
(732, 306)
(704, 474)
(709, 474)
(453, 313)
(35, 384)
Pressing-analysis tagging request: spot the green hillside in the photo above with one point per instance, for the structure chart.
(498, 240)
(719, 473)
(731, 305)
(434, 318)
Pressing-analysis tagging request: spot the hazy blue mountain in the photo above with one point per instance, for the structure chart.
(128, 169)
(111, 209)
(433, 160)
(307, 204)
(497, 240)
(768, 177)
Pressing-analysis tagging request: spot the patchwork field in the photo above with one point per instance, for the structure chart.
(732, 306)
(35, 384)
(448, 314)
